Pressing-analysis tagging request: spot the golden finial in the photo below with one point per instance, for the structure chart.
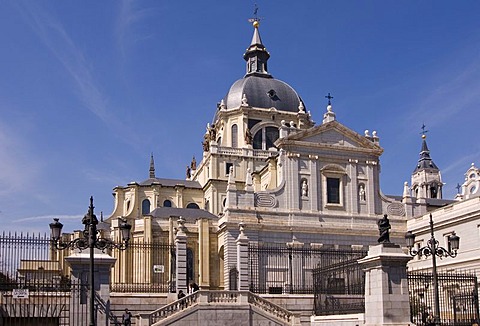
(256, 23)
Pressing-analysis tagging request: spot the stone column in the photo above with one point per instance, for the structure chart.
(242, 259)
(386, 286)
(181, 252)
(80, 264)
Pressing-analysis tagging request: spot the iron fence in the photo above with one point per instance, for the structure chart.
(278, 269)
(145, 267)
(339, 283)
(458, 297)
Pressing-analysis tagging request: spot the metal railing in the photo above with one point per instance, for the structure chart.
(458, 298)
(282, 269)
(144, 267)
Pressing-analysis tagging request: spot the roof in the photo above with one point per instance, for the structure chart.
(189, 214)
(425, 162)
(263, 92)
(171, 183)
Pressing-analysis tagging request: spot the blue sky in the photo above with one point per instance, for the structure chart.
(88, 89)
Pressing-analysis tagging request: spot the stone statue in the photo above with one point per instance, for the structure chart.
(248, 137)
(304, 188)
(212, 132)
(384, 229)
(206, 142)
(244, 100)
(189, 175)
(193, 164)
(361, 193)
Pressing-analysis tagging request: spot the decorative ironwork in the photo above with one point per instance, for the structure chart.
(145, 267)
(90, 240)
(278, 269)
(434, 250)
(91, 236)
(458, 298)
(339, 284)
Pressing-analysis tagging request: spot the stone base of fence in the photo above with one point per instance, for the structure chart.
(338, 320)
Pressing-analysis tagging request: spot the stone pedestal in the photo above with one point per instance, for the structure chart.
(386, 287)
(80, 264)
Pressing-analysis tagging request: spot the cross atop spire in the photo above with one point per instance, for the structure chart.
(329, 98)
(424, 131)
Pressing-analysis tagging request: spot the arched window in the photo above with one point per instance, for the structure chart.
(167, 203)
(235, 136)
(271, 135)
(265, 137)
(193, 205)
(145, 207)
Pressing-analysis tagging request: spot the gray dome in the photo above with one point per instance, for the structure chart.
(263, 92)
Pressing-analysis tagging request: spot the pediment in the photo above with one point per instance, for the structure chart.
(331, 134)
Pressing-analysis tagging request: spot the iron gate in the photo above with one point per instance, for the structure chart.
(458, 297)
(278, 269)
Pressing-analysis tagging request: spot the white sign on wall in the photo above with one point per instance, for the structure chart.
(158, 269)
(20, 293)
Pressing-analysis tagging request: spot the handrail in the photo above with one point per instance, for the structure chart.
(101, 306)
(173, 307)
(270, 307)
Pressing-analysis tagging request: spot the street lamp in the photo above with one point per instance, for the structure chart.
(433, 249)
(90, 240)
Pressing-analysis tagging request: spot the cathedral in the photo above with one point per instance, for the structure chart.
(269, 168)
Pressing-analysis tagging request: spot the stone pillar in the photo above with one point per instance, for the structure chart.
(203, 253)
(181, 252)
(242, 259)
(386, 286)
(80, 265)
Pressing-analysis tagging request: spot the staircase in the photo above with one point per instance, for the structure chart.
(215, 307)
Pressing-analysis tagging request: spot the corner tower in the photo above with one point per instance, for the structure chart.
(426, 178)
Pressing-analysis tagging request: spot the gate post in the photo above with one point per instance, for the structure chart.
(386, 286)
(181, 253)
(242, 259)
(80, 264)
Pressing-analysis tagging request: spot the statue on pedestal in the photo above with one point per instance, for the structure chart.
(384, 229)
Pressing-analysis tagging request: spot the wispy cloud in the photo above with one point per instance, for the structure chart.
(47, 218)
(130, 15)
(453, 90)
(16, 170)
(53, 34)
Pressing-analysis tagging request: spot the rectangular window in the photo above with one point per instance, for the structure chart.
(227, 168)
(333, 190)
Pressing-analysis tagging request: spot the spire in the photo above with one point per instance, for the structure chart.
(152, 167)
(425, 161)
(256, 55)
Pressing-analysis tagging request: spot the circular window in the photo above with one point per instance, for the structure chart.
(473, 189)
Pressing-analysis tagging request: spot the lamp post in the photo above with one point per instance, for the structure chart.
(433, 249)
(91, 240)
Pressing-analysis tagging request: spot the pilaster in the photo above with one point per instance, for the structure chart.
(242, 259)
(181, 253)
